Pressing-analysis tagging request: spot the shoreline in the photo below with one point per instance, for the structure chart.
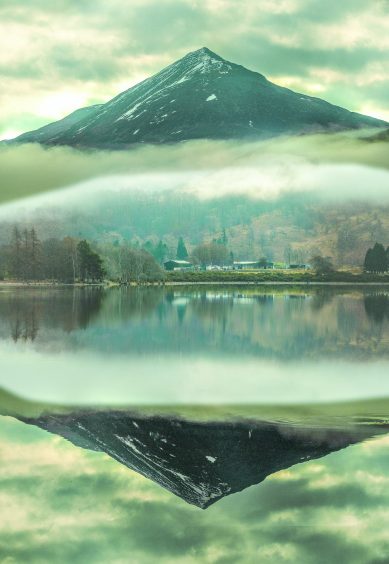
(25, 285)
(275, 283)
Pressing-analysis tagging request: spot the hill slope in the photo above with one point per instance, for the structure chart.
(201, 96)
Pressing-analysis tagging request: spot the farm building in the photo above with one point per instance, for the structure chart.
(177, 264)
(251, 265)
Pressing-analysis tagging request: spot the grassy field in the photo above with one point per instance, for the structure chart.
(227, 277)
(274, 276)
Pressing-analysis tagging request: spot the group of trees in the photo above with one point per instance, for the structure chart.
(377, 259)
(25, 254)
(70, 260)
(159, 251)
(214, 252)
(28, 258)
(90, 264)
(128, 263)
(182, 252)
(322, 265)
(211, 253)
(292, 255)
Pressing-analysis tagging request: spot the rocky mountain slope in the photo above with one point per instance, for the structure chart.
(201, 96)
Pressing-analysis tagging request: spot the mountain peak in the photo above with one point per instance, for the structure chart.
(207, 52)
(200, 96)
(204, 60)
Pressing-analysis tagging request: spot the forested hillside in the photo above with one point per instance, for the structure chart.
(291, 228)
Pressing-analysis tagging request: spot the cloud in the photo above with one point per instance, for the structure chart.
(340, 165)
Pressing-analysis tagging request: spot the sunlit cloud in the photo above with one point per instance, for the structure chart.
(56, 104)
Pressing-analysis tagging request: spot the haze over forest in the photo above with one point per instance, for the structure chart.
(313, 194)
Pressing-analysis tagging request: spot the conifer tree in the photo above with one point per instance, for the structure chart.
(368, 262)
(182, 253)
(160, 252)
(90, 263)
(376, 259)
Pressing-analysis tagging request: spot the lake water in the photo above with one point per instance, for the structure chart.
(194, 424)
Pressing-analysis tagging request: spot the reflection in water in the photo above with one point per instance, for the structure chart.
(64, 504)
(26, 310)
(377, 307)
(316, 500)
(24, 325)
(280, 323)
(202, 461)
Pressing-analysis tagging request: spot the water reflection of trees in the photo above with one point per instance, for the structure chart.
(266, 322)
(377, 307)
(126, 303)
(277, 323)
(28, 311)
(24, 325)
(321, 298)
(212, 307)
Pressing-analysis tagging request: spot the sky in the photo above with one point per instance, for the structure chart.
(59, 56)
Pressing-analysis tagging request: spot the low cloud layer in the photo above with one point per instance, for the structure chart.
(339, 165)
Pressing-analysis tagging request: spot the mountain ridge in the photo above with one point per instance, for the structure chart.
(200, 96)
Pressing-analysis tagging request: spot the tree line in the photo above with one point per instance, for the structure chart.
(215, 252)
(28, 258)
(377, 259)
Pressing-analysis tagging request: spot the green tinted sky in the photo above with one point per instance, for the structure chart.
(57, 56)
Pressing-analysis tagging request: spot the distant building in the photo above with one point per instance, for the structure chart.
(177, 265)
(299, 266)
(251, 265)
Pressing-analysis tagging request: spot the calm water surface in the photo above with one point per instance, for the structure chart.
(184, 424)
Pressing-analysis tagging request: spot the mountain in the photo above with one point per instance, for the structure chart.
(201, 96)
(201, 462)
